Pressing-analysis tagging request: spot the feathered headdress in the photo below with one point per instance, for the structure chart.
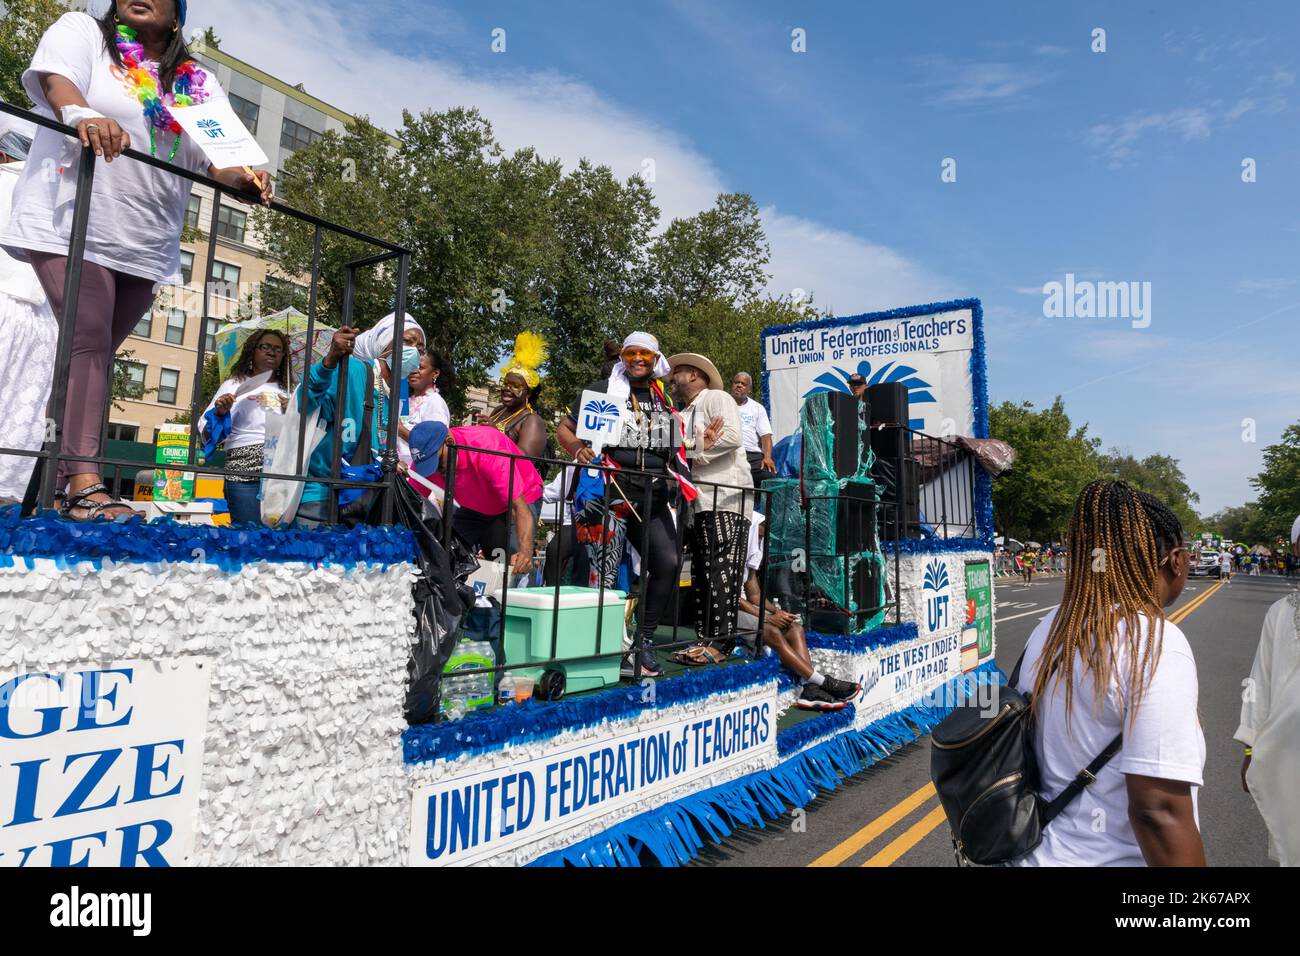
(530, 354)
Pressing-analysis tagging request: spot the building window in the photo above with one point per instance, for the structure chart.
(130, 375)
(120, 432)
(210, 339)
(187, 267)
(225, 280)
(231, 223)
(282, 294)
(176, 327)
(144, 328)
(296, 136)
(168, 382)
(192, 212)
(246, 110)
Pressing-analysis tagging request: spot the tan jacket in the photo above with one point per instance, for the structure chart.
(723, 464)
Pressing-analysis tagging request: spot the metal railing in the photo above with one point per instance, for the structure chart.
(49, 457)
(615, 479)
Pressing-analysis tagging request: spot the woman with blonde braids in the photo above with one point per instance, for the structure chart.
(1108, 662)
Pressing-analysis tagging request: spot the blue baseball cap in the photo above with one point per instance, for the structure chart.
(180, 10)
(427, 439)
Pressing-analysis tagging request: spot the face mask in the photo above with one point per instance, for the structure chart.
(410, 360)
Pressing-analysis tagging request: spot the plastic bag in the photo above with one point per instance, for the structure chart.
(280, 497)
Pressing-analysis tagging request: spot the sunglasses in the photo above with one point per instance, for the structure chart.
(637, 355)
(270, 348)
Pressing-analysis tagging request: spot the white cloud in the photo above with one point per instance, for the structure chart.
(562, 118)
(843, 272)
(958, 83)
(1270, 287)
(1117, 139)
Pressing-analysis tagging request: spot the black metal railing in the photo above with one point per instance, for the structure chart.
(51, 454)
(615, 479)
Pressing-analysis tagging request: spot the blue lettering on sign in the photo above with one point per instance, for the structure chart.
(935, 589)
(82, 784)
(466, 816)
(212, 128)
(601, 416)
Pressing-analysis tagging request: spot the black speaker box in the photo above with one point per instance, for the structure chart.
(855, 519)
(901, 486)
(849, 415)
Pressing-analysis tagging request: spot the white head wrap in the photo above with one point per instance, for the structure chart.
(371, 343)
(619, 386)
(1295, 530)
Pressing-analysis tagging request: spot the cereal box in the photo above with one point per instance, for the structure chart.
(170, 481)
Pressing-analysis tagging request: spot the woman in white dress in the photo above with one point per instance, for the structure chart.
(114, 79)
(27, 328)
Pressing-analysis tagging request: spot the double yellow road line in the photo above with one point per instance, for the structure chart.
(918, 831)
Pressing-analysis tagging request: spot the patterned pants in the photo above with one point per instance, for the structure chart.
(717, 571)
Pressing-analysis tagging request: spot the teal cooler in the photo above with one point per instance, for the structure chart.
(530, 614)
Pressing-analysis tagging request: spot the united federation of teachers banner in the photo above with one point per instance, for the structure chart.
(929, 352)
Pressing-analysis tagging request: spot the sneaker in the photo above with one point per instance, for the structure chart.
(649, 664)
(814, 698)
(840, 689)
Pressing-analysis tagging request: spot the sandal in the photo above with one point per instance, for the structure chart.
(700, 655)
(78, 501)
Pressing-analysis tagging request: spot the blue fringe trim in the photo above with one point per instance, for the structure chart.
(816, 728)
(489, 730)
(863, 641)
(935, 545)
(69, 543)
(675, 833)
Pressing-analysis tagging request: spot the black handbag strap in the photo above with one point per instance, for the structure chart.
(362, 452)
(1080, 783)
(1085, 777)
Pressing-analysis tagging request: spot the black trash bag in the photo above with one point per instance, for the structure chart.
(442, 598)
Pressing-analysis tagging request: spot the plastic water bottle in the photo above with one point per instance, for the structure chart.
(463, 694)
(506, 690)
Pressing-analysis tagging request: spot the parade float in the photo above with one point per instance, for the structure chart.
(181, 695)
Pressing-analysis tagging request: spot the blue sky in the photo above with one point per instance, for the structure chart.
(1117, 166)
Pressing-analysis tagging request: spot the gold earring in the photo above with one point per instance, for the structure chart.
(176, 26)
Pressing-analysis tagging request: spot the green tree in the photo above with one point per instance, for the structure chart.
(1054, 461)
(476, 221)
(1241, 523)
(719, 254)
(21, 27)
(1158, 475)
(1279, 486)
(598, 280)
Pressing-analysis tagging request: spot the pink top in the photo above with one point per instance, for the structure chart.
(483, 481)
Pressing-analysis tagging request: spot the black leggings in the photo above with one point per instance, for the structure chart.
(658, 564)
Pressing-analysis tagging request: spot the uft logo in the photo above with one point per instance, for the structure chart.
(601, 416)
(212, 128)
(935, 591)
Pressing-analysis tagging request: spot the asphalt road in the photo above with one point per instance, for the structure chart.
(888, 815)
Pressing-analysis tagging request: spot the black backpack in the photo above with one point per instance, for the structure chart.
(983, 766)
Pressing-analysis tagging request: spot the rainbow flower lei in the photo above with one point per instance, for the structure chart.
(142, 77)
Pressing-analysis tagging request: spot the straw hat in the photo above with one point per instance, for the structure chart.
(703, 364)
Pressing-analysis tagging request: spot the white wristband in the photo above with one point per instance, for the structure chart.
(72, 115)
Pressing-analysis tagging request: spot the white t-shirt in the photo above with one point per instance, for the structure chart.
(136, 211)
(754, 550)
(247, 416)
(754, 424)
(1164, 741)
(1225, 561)
(429, 407)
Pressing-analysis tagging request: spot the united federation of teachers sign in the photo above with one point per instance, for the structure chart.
(929, 353)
